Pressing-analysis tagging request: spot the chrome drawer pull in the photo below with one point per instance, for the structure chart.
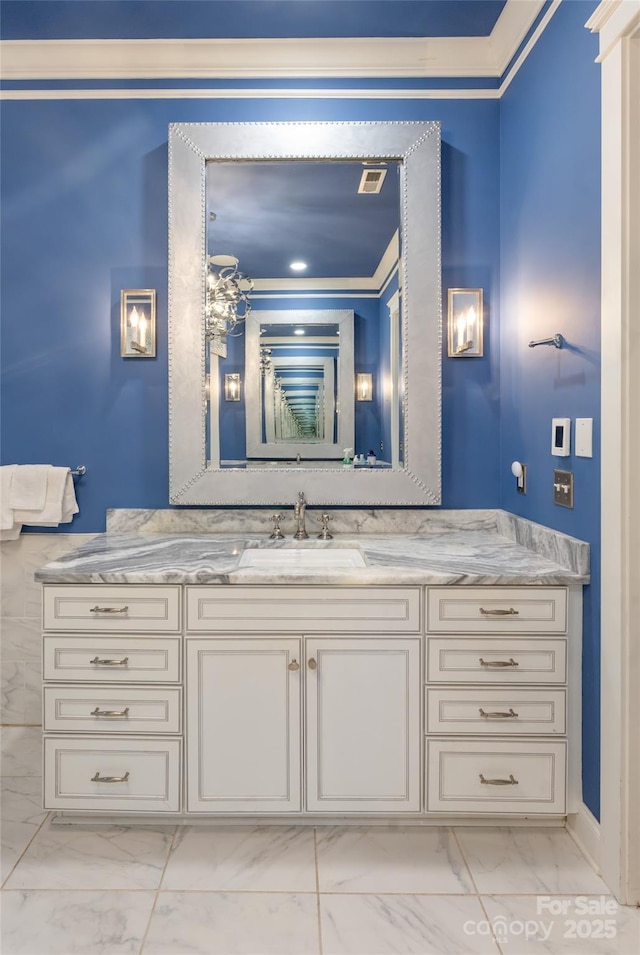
(98, 712)
(500, 613)
(294, 665)
(498, 715)
(109, 779)
(499, 782)
(499, 663)
(109, 663)
(108, 610)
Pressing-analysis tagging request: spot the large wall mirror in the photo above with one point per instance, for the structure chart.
(304, 312)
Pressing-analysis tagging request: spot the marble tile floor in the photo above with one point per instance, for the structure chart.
(174, 890)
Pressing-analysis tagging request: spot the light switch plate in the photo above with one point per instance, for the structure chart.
(584, 438)
(563, 488)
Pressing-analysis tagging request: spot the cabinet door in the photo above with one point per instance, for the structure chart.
(243, 725)
(363, 724)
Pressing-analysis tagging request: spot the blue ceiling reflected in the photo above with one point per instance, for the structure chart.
(148, 19)
(269, 214)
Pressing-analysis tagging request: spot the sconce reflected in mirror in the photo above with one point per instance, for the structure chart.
(138, 323)
(232, 387)
(364, 387)
(465, 321)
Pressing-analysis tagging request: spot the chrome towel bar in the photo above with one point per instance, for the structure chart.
(557, 340)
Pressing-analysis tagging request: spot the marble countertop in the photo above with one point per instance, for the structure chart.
(459, 556)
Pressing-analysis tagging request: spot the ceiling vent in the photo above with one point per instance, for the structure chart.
(371, 181)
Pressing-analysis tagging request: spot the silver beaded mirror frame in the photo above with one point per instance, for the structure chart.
(416, 146)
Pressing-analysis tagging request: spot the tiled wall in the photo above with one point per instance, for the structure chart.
(21, 622)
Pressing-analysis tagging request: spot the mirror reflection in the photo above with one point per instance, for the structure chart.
(303, 295)
(298, 400)
(299, 393)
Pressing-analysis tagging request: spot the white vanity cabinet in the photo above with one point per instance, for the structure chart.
(112, 698)
(244, 724)
(258, 701)
(362, 724)
(496, 716)
(339, 712)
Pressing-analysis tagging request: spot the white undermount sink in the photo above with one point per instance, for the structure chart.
(301, 559)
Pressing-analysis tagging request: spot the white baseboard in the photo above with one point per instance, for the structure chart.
(584, 829)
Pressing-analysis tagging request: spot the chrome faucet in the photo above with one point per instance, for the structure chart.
(299, 513)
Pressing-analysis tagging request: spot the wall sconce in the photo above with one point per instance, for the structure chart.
(519, 472)
(465, 320)
(364, 386)
(138, 323)
(232, 387)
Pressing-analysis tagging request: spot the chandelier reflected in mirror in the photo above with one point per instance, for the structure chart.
(227, 300)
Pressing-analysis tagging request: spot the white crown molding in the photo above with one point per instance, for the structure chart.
(601, 14)
(510, 30)
(388, 264)
(612, 20)
(249, 93)
(299, 286)
(357, 57)
(342, 57)
(526, 50)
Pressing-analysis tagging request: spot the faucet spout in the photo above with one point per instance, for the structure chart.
(299, 513)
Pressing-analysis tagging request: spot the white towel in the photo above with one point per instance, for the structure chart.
(69, 505)
(9, 530)
(60, 504)
(29, 487)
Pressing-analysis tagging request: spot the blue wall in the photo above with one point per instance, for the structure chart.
(84, 204)
(550, 269)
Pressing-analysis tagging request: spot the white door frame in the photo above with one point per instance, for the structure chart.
(618, 24)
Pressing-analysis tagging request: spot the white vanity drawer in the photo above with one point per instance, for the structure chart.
(111, 608)
(304, 609)
(111, 659)
(103, 774)
(490, 776)
(486, 660)
(484, 710)
(101, 709)
(496, 610)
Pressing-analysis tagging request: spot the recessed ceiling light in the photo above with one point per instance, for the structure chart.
(299, 331)
(297, 266)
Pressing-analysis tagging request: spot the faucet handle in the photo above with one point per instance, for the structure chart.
(324, 534)
(277, 534)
